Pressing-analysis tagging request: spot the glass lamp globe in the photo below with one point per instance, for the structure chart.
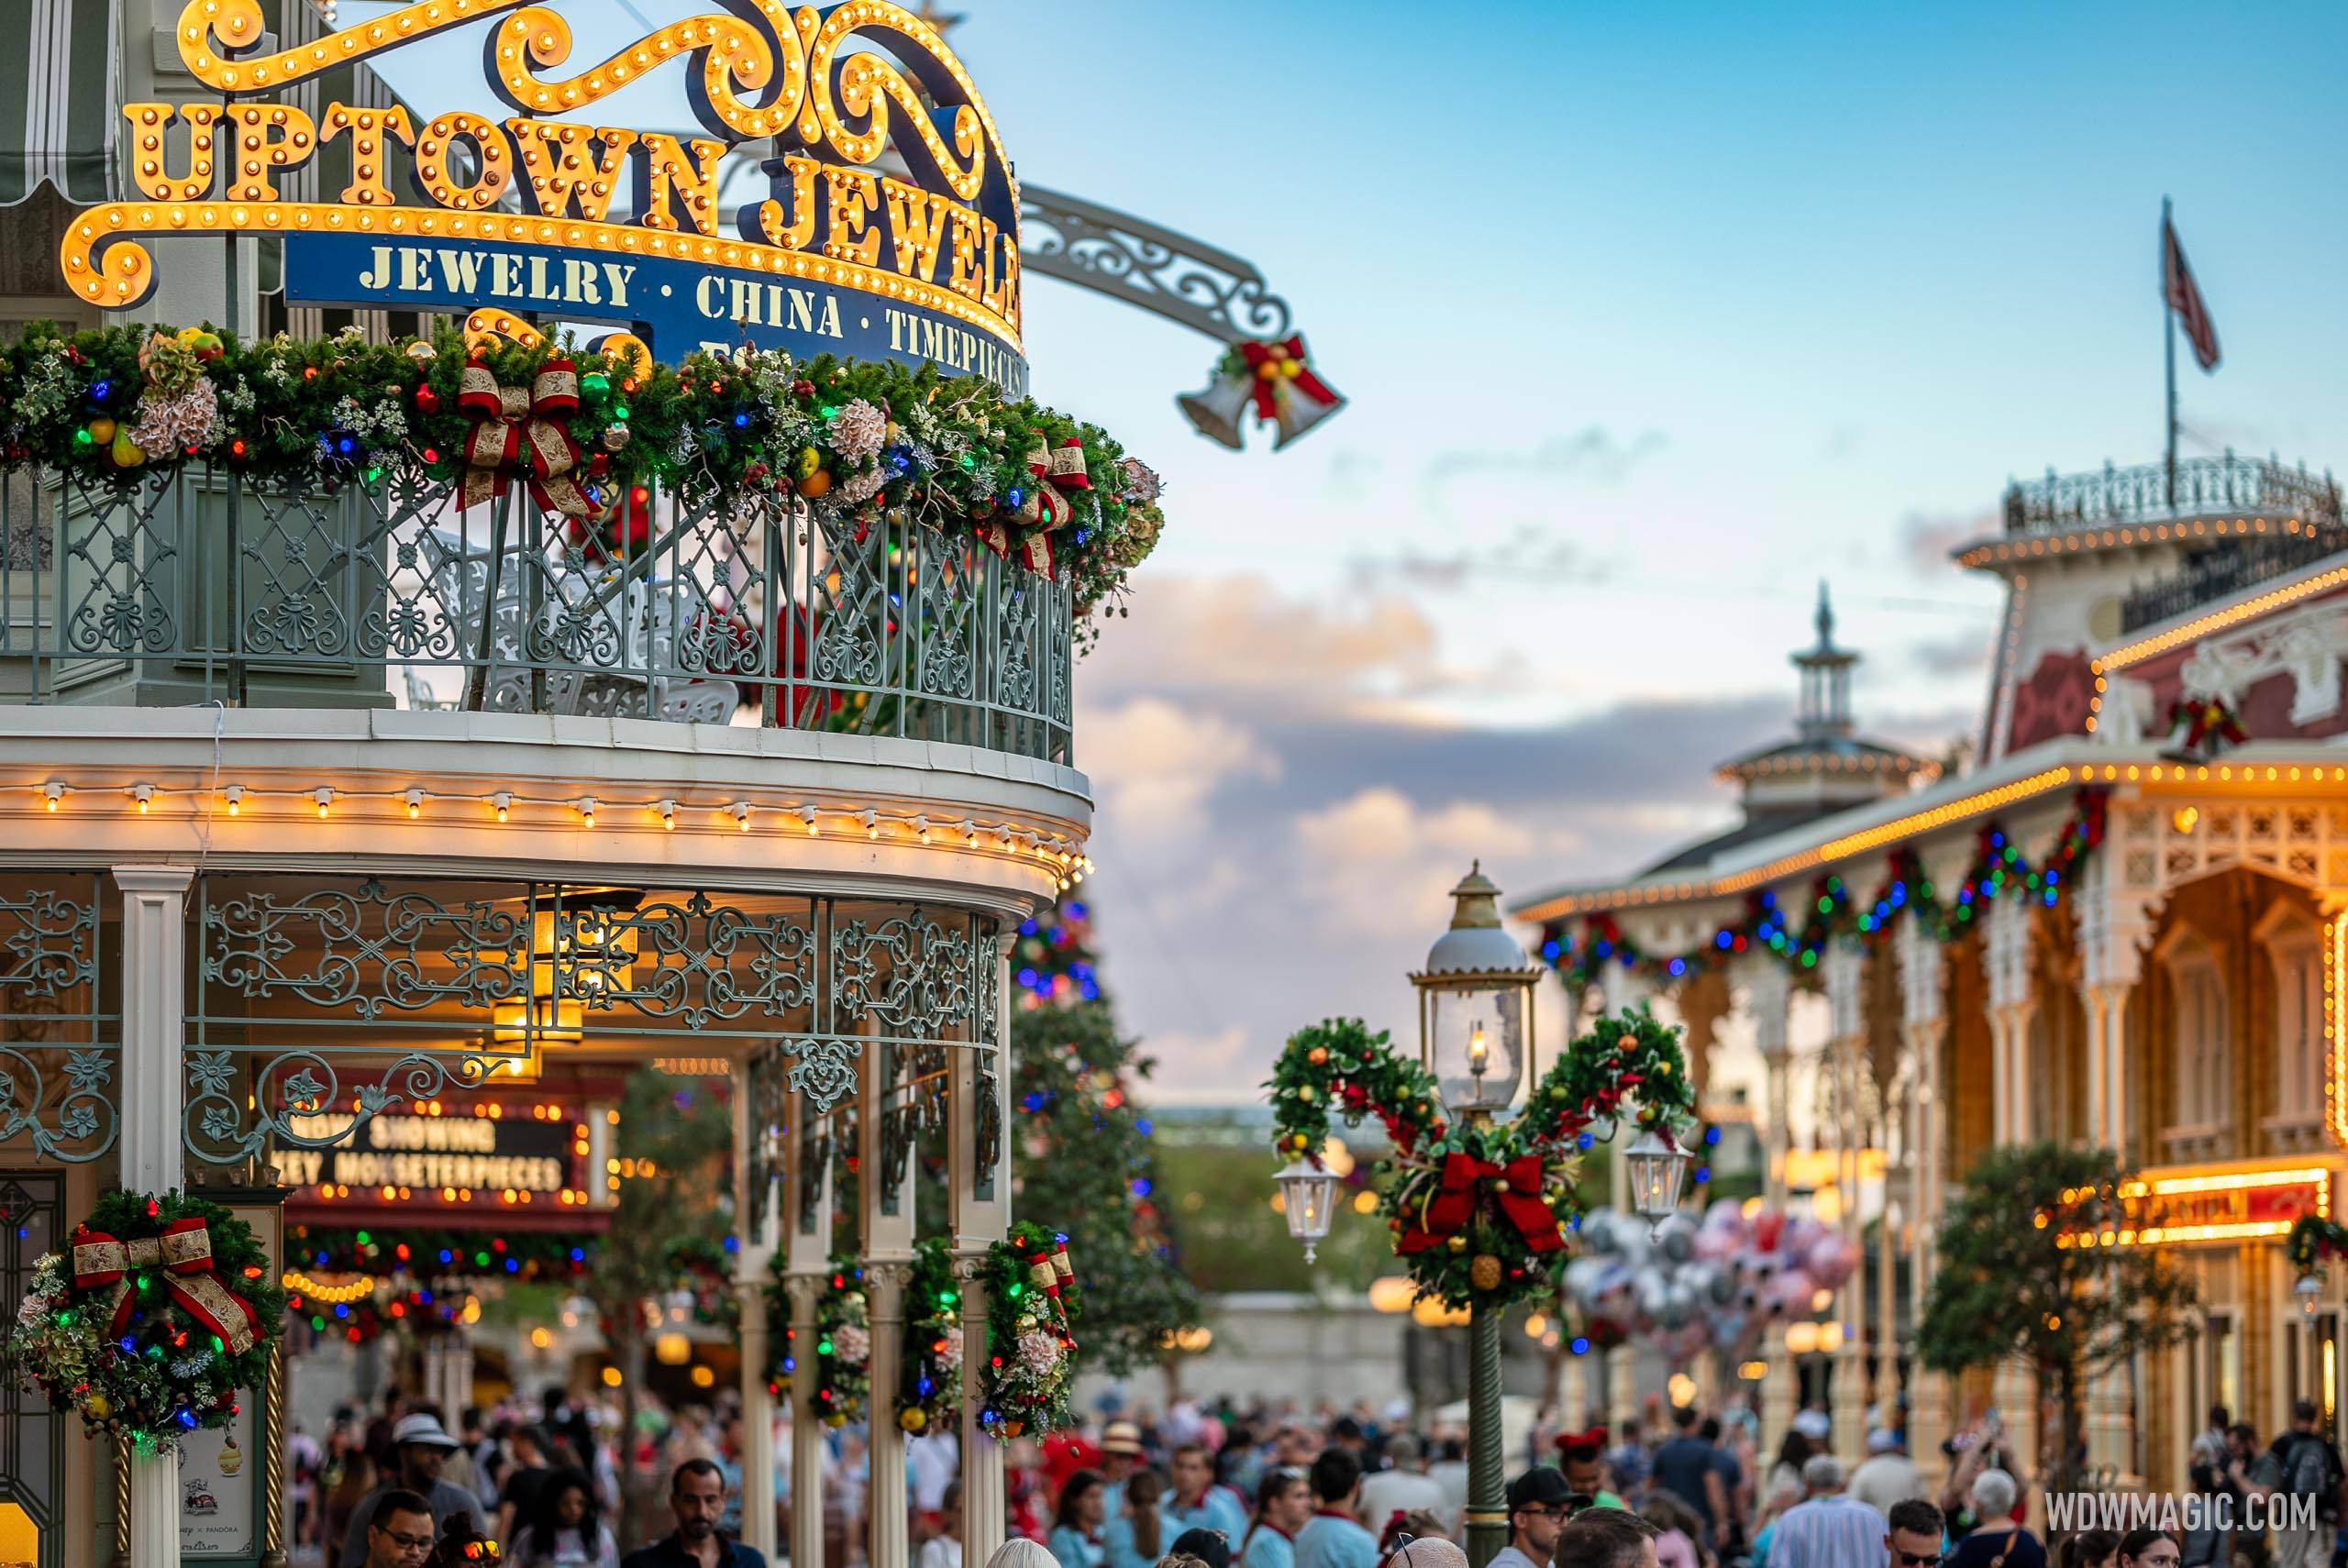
(1656, 1168)
(2309, 1293)
(1308, 1196)
(1475, 1005)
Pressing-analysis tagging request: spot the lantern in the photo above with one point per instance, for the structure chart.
(1476, 1006)
(2309, 1293)
(1308, 1190)
(1655, 1167)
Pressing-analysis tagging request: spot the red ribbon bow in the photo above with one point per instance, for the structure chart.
(1283, 361)
(1454, 1202)
(184, 1251)
(514, 431)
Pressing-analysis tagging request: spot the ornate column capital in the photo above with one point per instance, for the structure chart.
(1768, 989)
(1924, 973)
(2115, 930)
(1844, 972)
(2006, 943)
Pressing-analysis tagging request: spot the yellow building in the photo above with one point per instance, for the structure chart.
(2109, 928)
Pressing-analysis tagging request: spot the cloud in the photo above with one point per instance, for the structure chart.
(1153, 762)
(1530, 553)
(1592, 454)
(1188, 637)
(1927, 539)
(1379, 862)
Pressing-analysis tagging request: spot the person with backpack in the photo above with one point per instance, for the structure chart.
(2307, 1464)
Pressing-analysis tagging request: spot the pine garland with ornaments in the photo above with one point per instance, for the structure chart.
(1479, 1212)
(2314, 1240)
(929, 1385)
(588, 433)
(1030, 1366)
(929, 1374)
(1796, 934)
(157, 1311)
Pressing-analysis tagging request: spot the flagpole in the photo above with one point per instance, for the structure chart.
(2169, 316)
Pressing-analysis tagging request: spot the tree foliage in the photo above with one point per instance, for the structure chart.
(1084, 1162)
(2010, 1283)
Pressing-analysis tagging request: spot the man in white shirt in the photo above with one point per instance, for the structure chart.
(1829, 1530)
(1403, 1489)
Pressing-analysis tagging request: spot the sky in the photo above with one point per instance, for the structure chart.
(1649, 317)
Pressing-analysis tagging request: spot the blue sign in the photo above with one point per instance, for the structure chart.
(675, 304)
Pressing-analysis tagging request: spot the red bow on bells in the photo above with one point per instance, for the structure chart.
(1276, 362)
(514, 432)
(185, 1252)
(1453, 1203)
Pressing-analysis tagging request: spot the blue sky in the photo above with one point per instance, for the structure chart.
(1650, 316)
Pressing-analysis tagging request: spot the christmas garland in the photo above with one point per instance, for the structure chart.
(2210, 724)
(1479, 1212)
(843, 1346)
(929, 1383)
(160, 1310)
(587, 433)
(527, 1255)
(2314, 1242)
(1031, 1351)
(1797, 937)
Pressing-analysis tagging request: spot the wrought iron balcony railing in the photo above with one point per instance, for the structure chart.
(2204, 487)
(2224, 570)
(192, 585)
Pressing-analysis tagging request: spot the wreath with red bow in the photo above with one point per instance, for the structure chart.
(1482, 1214)
(152, 1317)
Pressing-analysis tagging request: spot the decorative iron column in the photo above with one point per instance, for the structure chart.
(978, 1144)
(2114, 928)
(1845, 977)
(1487, 1463)
(1768, 990)
(1923, 963)
(807, 1217)
(758, 1183)
(885, 1212)
(154, 1086)
(2014, 1006)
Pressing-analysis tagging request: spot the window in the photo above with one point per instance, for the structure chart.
(2204, 1058)
(2296, 950)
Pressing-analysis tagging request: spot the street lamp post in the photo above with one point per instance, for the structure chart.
(1494, 1183)
(1476, 1037)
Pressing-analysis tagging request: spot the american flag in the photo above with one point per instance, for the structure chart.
(2183, 296)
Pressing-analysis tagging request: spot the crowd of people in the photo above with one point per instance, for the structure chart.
(1219, 1487)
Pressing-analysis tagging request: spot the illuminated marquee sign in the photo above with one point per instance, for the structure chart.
(914, 263)
(2181, 1205)
(528, 1156)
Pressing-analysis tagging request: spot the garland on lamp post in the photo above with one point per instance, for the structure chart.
(2314, 1242)
(157, 1312)
(1480, 1211)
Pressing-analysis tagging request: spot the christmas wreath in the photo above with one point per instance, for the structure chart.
(1480, 1211)
(2314, 1242)
(1031, 1351)
(157, 1312)
(588, 433)
(2209, 726)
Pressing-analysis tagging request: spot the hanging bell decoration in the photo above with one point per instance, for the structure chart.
(1214, 410)
(1288, 393)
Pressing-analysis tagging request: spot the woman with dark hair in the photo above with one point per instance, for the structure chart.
(2147, 1548)
(560, 1530)
(1283, 1502)
(1136, 1536)
(1076, 1522)
(2088, 1548)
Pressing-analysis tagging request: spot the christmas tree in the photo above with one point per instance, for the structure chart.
(1083, 1156)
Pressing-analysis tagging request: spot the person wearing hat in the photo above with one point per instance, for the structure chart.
(420, 1446)
(1120, 1457)
(1886, 1475)
(1539, 1503)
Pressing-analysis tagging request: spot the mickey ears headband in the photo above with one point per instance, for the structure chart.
(1587, 1442)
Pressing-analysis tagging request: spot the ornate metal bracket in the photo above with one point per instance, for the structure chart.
(1132, 259)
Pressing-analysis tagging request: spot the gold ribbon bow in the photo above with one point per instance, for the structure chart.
(515, 430)
(101, 1262)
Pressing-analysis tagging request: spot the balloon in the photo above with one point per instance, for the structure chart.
(1830, 1260)
(1678, 1304)
(1599, 1232)
(1789, 1293)
(1676, 1237)
(1767, 1226)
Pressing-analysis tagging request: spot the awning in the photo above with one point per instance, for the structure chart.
(61, 98)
